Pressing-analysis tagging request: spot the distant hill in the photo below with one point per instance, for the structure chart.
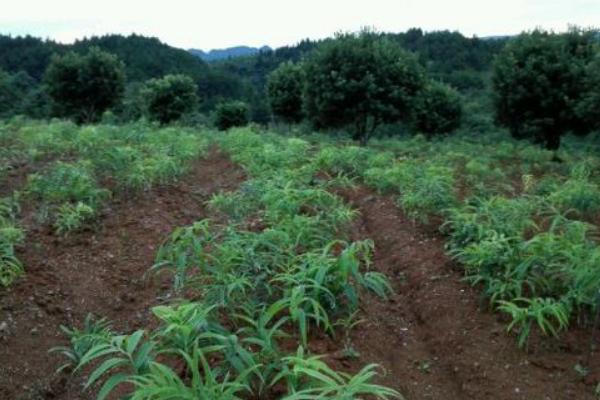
(231, 52)
(25, 58)
(144, 57)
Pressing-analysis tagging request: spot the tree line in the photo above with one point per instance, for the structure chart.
(543, 85)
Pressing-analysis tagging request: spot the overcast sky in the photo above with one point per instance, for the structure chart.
(223, 23)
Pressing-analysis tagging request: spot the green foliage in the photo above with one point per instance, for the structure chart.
(588, 108)
(550, 316)
(360, 81)
(161, 382)
(310, 378)
(66, 182)
(286, 280)
(539, 79)
(436, 109)
(578, 194)
(231, 114)
(83, 340)
(461, 61)
(83, 87)
(68, 195)
(277, 268)
(535, 275)
(19, 95)
(169, 98)
(445, 52)
(11, 235)
(131, 353)
(284, 88)
(71, 217)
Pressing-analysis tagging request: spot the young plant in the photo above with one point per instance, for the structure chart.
(71, 217)
(310, 378)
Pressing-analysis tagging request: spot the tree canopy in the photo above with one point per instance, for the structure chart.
(539, 80)
(230, 114)
(436, 109)
(82, 87)
(169, 98)
(285, 86)
(360, 81)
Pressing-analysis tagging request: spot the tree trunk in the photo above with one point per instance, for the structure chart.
(553, 143)
(360, 133)
(553, 140)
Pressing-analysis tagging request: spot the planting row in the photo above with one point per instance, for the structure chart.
(520, 224)
(78, 169)
(254, 293)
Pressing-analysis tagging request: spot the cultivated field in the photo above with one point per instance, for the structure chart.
(185, 264)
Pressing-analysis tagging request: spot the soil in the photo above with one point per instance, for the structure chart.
(15, 177)
(435, 337)
(102, 272)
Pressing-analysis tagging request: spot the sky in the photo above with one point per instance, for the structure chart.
(223, 23)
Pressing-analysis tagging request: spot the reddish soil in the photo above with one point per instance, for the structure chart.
(434, 337)
(15, 177)
(99, 272)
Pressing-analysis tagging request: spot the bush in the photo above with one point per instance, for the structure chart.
(437, 109)
(66, 182)
(231, 114)
(82, 87)
(72, 217)
(538, 83)
(169, 98)
(589, 107)
(465, 80)
(284, 87)
(360, 81)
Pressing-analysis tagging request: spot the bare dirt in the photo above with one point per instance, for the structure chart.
(435, 337)
(101, 271)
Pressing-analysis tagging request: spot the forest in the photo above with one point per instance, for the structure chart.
(449, 56)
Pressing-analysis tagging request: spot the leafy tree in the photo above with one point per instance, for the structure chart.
(360, 81)
(29, 54)
(465, 80)
(445, 52)
(589, 107)
(146, 57)
(437, 109)
(82, 87)
(19, 94)
(538, 82)
(8, 94)
(167, 99)
(230, 114)
(284, 88)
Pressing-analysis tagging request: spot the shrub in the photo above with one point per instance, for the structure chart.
(11, 235)
(82, 87)
(528, 100)
(436, 109)
(284, 88)
(72, 217)
(578, 193)
(360, 81)
(231, 114)
(588, 108)
(66, 182)
(169, 98)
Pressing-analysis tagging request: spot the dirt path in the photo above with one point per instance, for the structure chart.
(432, 336)
(100, 272)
